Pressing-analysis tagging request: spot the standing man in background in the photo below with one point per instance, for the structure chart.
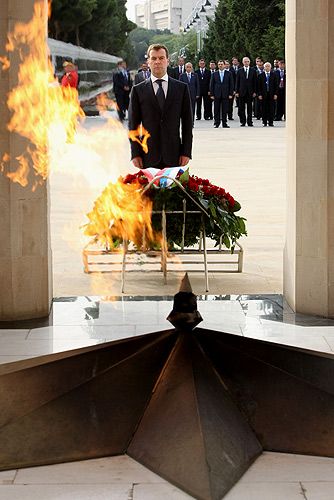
(143, 73)
(122, 86)
(162, 106)
(204, 76)
(268, 87)
(221, 91)
(281, 76)
(246, 91)
(191, 79)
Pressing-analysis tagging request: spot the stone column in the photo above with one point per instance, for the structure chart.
(309, 249)
(25, 255)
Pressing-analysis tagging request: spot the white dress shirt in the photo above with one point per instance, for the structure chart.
(164, 83)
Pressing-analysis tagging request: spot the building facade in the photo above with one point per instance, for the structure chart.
(163, 14)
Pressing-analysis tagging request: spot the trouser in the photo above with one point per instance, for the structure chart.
(268, 107)
(280, 104)
(257, 108)
(220, 107)
(207, 105)
(230, 108)
(245, 103)
(122, 101)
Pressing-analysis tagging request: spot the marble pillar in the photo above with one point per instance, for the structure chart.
(309, 249)
(25, 255)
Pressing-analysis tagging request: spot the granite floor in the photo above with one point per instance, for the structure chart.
(81, 321)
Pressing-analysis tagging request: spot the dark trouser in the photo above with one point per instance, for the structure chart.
(193, 102)
(268, 107)
(245, 103)
(207, 104)
(230, 108)
(122, 101)
(280, 104)
(220, 107)
(257, 108)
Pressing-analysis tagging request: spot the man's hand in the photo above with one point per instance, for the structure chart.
(230, 96)
(212, 98)
(275, 97)
(137, 162)
(254, 94)
(183, 161)
(236, 94)
(260, 97)
(126, 88)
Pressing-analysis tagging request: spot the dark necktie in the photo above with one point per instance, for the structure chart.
(160, 94)
(246, 73)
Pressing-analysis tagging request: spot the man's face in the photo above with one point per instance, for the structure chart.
(181, 61)
(227, 65)
(201, 64)
(235, 61)
(267, 67)
(158, 62)
(246, 62)
(281, 65)
(275, 63)
(189, 67)
(221, 65)
(144, 66)
(212, 65)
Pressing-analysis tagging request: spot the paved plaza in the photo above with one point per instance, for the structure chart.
(248, 162)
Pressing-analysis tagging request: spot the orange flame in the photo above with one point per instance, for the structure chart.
(38, 104)
(120, 213)
(141, 136)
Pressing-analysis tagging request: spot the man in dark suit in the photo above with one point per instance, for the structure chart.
(221, 91)
(235, 65)
(257, 103)
(267, 91)
(246, 90)
(179, 69)
(191, 79)
(122, 86)
(143, 73)
(204, 76)
(281, 76)
(160, 105)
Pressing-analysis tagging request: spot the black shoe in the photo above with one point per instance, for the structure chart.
(216, 126)
(225, 125)
(264, 125)
(231, 119)
(197, 118)
(271, 124)
(242, 124)
(250, 125)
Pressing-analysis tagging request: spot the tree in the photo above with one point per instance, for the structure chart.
(68, 16)
(246, 28)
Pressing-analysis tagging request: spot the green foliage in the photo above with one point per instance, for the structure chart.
(246, 28)
(180, 44)
(100, 25)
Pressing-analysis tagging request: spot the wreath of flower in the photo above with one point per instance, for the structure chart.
(222, 225)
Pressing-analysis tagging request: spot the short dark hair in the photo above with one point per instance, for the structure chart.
(157, 46)
(214, 62)
(201, 59)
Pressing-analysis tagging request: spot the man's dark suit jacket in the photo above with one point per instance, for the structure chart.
(165, 144)
(194, 88)
(176, 73)
(234, 74)
(246, 86)
(221, 90)
(120, 82)
(140, 76)
(278, 74)
(273, 84)
(204, 81)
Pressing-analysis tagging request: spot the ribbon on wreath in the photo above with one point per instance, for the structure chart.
(157, 174)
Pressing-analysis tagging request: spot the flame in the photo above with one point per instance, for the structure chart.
(38, 104)
(141, 135)
(120, 213)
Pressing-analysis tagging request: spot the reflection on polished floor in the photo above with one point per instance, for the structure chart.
(83, 321)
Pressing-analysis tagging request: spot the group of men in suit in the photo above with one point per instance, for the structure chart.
(163, 101)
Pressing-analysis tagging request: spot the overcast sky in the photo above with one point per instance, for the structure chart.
(130, 5)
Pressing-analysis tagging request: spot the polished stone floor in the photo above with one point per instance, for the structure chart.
(76, 322)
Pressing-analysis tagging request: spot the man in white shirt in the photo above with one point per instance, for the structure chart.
(162, 106)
